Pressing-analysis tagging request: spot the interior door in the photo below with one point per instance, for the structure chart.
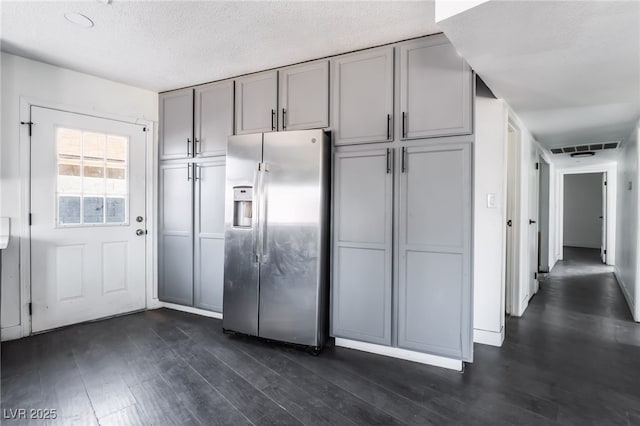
(603, 244)
(88, 218)
(534, 180)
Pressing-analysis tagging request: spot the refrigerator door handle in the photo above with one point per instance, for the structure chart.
(255, 212)
(264, 194)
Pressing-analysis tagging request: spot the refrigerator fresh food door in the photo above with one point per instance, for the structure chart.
(241, 257)
(293, 235)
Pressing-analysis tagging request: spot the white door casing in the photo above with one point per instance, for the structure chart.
(603, 243)
(88, 178)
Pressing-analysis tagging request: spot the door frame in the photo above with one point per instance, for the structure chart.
(610, 169)
(151, 285)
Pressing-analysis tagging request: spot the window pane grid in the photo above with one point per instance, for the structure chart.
(92, 179)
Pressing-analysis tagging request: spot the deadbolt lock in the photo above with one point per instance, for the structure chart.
(139, 219)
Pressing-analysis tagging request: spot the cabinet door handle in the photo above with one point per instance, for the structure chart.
(284, 119)
(273, 119)
(404, 155)
(197, 147)
(189, 172)
(188, 147)
(196, 171)
(404, 124)
(388, 160)
(388, 126)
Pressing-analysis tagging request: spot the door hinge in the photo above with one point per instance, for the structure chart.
(605, 252)
(27, 123)
(30, 219)
(30, 309)
(605, 183)
(535, 275)
(537, 166)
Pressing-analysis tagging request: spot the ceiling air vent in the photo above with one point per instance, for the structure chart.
(586, 148)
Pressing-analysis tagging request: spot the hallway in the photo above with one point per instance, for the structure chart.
(573, 359)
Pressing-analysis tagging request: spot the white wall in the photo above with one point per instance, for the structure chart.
(627, 267)
(583, 210)
(51, 85)
(489, 222)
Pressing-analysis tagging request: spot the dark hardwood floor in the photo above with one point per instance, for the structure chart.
(572, 359)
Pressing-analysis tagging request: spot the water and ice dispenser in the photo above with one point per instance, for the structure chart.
(242, 206)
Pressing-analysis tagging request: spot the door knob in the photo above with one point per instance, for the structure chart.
(140, 232)
(509, 223)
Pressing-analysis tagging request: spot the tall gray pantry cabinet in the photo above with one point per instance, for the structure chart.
(402, 209)
(194, 126)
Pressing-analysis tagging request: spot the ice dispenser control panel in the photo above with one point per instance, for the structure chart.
(242, 206)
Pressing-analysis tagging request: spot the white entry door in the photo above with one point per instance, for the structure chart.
(88, 218)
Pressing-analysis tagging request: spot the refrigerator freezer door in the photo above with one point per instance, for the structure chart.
(241, 268)
(293, 271)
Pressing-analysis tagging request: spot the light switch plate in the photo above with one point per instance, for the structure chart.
(491, 201)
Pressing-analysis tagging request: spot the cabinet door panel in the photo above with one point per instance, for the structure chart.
(256, 103)
(363, 97)
(361, 286)
(209, 235)
(304, 96)
(435, 89)
(213, 118)
(175, 254)
(176, 124)
(434, 289)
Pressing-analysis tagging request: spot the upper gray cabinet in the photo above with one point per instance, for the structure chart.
(257, 103)
(435, 89)
(362, 92)
(176, 124)
(213, 118)
(304, 96)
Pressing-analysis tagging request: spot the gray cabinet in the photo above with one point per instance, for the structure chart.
(213, 118)
(176, 124)
(209, 181)
(362, 246)
(175, 234)
(257, 103)
(362, 91)
(434, 288)
(435, 89)
(304, 96)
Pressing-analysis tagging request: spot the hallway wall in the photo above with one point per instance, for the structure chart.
(582, 210)
(627, 261)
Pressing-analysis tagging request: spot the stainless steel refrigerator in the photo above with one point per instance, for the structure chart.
(277, 235)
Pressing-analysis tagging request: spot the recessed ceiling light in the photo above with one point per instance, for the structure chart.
(79, 19)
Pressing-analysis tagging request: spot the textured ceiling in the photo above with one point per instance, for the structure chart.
(166, 45)
(569, 69)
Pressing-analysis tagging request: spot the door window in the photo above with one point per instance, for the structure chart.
(92, 179)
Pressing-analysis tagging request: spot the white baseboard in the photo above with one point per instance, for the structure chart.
(438, 361)
(485, 337)
(627, 296)
(11, 333)
(582, 245)
(190, 310)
